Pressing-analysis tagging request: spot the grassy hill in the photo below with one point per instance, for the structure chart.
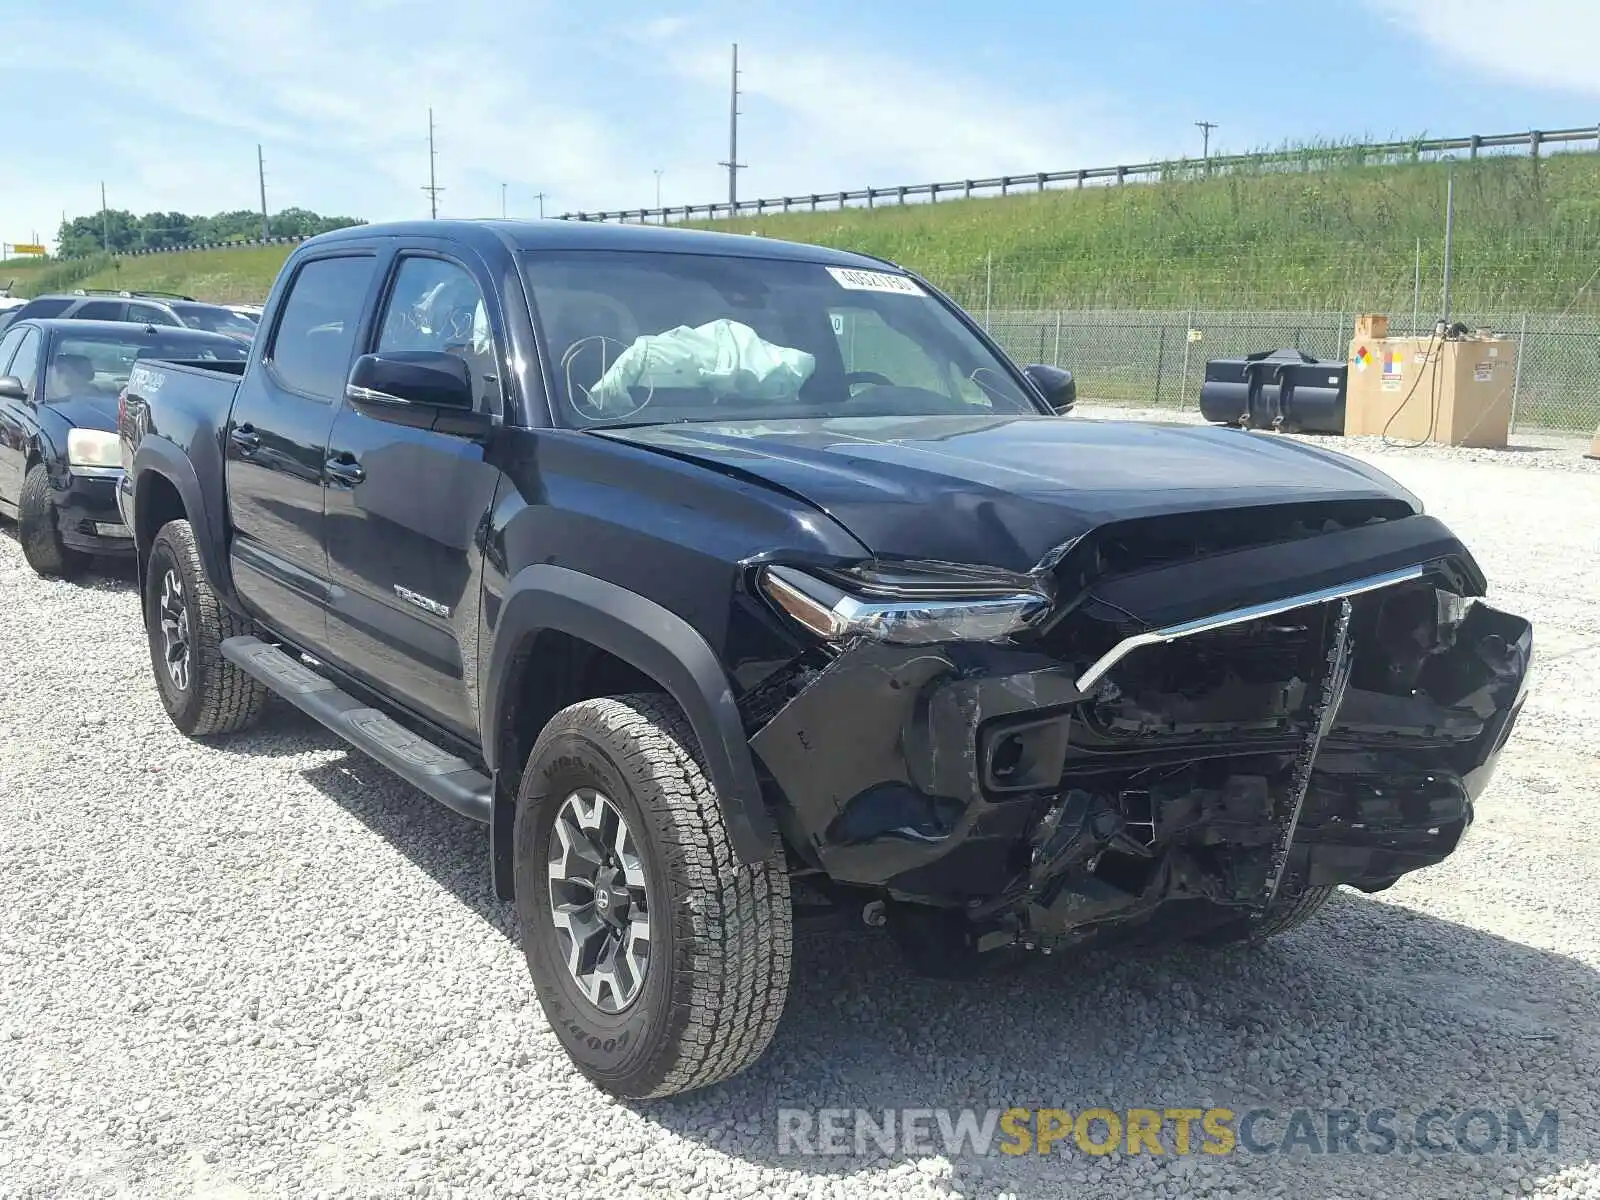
(1340, 238)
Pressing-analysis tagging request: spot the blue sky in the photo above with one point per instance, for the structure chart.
(165, 100)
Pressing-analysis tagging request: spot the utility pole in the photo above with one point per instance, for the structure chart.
(658, 187)
(1205, 128)
(261, 174)
(105, 220)
(733, 164)
(539, 196)
(433, 189)
(1449, 238)
(502, 201)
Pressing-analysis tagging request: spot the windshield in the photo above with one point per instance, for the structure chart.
(84, 366)
(647, 338)
(214, 319)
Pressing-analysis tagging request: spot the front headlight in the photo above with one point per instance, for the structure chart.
(914, 607)
(93, 448)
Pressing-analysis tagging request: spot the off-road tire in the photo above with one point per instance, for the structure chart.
(219, 698)
(38, 532)
(720, 930)
(1290, 908)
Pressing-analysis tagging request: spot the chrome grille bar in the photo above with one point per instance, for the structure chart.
(1240, 616)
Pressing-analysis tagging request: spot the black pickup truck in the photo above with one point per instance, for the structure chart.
(696, 565)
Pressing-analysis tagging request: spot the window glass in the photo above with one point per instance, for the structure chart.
(646, 337)
(215, 319)
(149, 314)
(8, 347)
(25, 366)
(100, 365)
(101, 310)
(436, 305)
(316, 335)
(870, 348)
(51, 307)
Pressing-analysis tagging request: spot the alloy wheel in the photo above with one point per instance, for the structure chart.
(598, 902)
(173, 615)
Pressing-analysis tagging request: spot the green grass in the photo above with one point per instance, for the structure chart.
(1310, 228)
(243, 274)
(1527, 235)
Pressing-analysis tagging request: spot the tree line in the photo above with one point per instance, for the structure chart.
(122, 231)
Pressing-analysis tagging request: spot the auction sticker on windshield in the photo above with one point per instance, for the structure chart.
(874, 281)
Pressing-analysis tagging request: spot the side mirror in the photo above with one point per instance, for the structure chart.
(424, 389)
(11, 388)
(1058, 388)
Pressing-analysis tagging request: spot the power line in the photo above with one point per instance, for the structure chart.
(433, 189)
(733, 164)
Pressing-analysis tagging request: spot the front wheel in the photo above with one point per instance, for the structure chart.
(186, 625)
(660, 958)
(40, 533)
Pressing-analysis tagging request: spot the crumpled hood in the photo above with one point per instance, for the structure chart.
(1007, 491)
(87, 412)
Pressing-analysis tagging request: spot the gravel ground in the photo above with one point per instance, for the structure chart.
(264, 967)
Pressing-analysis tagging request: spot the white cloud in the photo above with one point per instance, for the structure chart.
(1544, 43)
(522, 94)
(824, 118)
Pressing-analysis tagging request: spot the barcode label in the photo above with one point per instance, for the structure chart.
(874, 281)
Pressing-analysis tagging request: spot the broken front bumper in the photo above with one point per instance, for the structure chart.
(1340, 735)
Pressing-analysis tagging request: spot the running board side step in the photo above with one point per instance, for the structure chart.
(448, 779)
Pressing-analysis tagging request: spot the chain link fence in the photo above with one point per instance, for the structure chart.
(1157, 357)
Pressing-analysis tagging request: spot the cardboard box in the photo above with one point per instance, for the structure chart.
(1372, 327)
(1457, 393)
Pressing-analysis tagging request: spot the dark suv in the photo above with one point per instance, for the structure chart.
(699, 566)
(140, 308)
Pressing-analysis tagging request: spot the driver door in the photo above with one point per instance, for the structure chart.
(404, 505)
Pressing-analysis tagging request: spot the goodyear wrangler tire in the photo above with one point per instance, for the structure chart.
(186, 624)
(660, 958)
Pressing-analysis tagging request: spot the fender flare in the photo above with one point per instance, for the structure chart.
(168, 462)
(662, 645)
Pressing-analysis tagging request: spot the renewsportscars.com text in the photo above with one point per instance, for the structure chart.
(1164, 1131)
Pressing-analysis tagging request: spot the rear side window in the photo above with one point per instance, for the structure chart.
(101, 310)
(52, 307)
(149, 314)
(317, 332)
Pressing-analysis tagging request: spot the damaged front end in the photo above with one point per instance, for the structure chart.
(1147, 724)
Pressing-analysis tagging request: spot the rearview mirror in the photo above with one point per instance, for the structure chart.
(425, 389)
(11, 388)
(1057, 386)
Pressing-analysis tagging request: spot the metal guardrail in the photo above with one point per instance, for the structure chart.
(1533, 140)
(228, 245)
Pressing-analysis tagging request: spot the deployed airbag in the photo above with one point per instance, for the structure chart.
(723, 357)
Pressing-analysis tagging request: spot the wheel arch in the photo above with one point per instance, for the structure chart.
(166, 488)
(638, 640)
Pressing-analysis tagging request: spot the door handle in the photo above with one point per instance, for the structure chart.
(245, 438)
(343, 468)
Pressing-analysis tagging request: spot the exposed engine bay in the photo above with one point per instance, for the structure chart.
(1178, 745)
